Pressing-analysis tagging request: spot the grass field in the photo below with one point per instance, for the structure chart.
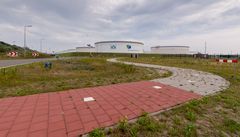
(217, 115)
(68, 74)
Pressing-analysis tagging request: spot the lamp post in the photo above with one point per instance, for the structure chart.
(25, 38)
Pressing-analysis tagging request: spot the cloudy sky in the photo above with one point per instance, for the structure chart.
(65, 24)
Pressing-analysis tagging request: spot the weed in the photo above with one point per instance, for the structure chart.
(190, 115)
(134, 129)
(231, 125)
(173, 131)
(97, 133)
(123, 125)
(109, 131)
(148, 123)
(190, 130)
(128, 68)
(177, 120)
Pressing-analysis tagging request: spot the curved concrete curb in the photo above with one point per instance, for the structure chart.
(199, 82)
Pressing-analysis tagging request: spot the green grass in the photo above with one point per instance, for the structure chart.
(144, 126)
(97, 133)
(68, 74)
(217, 115)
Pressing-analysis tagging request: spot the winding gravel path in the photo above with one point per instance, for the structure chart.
(199, 82)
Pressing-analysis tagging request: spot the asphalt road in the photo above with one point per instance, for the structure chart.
(9, 63)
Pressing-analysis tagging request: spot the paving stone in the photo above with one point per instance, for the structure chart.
(65, 113)
(21, 133)
(58, 133)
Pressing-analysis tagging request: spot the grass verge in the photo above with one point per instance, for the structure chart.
(68, 74)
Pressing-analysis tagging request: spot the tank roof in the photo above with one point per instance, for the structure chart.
(171, 47)
(119, 42)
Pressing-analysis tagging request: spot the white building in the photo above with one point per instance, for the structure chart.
(170, 50)
(119, 47)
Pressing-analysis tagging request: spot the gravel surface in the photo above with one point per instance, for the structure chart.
(199, 82)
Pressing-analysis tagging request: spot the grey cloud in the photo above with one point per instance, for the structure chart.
(69, 21)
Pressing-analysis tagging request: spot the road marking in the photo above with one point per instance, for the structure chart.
(157, 87)
(88, 99)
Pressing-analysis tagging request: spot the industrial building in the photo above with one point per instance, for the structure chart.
(119, 47)
(131, 47)
(170, 50)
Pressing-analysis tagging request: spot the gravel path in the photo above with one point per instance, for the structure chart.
(199, 82)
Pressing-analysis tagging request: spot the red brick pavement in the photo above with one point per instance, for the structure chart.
(64, 114)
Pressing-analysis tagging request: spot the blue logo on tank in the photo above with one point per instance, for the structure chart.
(129, 46)
(113, 47)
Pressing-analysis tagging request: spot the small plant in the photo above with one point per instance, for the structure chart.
(148, 123)
(144, 119)
(167, 74)
(109, 131)
(134, 130)
(177, 120)
(97, 133)
(190, 115)
(231, 125)
(123, 125)
(173, 131)
(128, 68)
(190, 130)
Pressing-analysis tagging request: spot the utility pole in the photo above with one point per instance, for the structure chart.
(25, 38)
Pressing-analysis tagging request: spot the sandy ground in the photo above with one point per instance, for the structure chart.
(199, 82)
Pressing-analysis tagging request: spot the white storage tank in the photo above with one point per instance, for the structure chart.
(170, 50)
(119, 47)
(85, 49)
